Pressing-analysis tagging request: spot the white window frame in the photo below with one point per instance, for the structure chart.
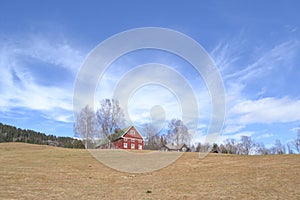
(140, 147)
(125, 139)
(132, 132)
(125, 145)
(132, 140)
(132, 146)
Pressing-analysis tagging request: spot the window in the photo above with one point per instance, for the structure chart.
(125, 139)
(132, 132)
(140, 141)
(132, 140)
(140, 147)
(132, 146)
(125, 145)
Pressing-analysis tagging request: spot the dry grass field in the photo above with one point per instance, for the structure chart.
(42, 172)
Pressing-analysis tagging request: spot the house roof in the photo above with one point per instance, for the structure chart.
(174, 147)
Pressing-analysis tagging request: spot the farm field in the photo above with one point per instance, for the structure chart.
(42, 172)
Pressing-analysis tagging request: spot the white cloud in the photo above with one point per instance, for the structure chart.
(52, 51)
(232, 128)
(266, 110)
(141, 88)
(227, 53)
(242, 108)
(295, 129)
(19, 89)
(281, 55)
(265, 135)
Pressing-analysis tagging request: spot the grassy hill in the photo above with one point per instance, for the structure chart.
(30, 171)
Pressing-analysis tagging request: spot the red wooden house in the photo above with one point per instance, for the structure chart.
(128, 138)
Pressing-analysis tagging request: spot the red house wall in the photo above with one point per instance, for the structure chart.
(130, 139)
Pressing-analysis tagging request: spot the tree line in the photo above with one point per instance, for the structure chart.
(12, 134)
(247, 146)
(176, 134)
(94, 126)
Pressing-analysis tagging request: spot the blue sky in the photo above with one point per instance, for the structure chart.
(255, 45)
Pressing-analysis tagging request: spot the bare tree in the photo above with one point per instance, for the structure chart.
(290, 147)
(247, 145)
(231, 146)
(193, 148)
(85, 126)
(203, 147)
(109, 116)
(261, 149)
(279, 148)
(296, 142)
(152, 139)
(178, 132)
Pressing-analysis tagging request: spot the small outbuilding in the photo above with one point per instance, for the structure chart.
(170, 147)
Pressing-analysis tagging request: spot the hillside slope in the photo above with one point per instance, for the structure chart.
(42, 172)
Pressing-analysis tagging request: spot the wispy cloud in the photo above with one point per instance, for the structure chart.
(291, 28)
(295, 129)
(19, 87)
(54, 51)
(281, 55)
(244, 108)
(265, 135)
(227, 53)
(145, 87)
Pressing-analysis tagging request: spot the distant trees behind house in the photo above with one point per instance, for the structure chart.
(152, 141)
(295, 144)
(178, 133)
(110, 117)
(12, 134)
(244, 146)
(93, 126)
(85, 125)
(247, 146)
(90, 125)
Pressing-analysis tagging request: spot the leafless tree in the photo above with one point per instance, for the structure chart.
(279, 148)
(203, 147)
(178, 133)
(261, 149)
(152, 139)
(231, 146)
(296, 142)
(289, 146)
(85, 126)
(272, 150)
(247, 145)
(109, 116)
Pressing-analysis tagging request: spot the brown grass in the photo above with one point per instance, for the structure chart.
(43, 172)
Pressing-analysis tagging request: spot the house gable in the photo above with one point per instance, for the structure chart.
(132, 132)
